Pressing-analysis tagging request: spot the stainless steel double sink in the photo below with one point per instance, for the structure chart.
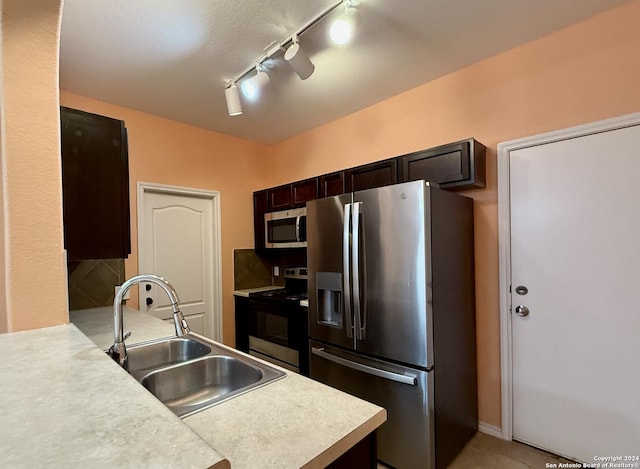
(190, 374)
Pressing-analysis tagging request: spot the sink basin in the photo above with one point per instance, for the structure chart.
(190, 374)
(185, 388)
(151, 355)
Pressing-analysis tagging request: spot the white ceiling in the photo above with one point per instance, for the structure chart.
(173, 58)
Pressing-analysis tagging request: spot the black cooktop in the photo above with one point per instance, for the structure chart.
(294, 290)
(282, 294)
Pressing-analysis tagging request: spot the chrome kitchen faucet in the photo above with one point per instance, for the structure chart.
(118, 351)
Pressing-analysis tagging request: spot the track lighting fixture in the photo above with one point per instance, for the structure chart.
(252, 87)
(298, 60)
(234, 107)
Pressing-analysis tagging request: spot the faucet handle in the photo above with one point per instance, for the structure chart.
(182, 328)
(126, 335)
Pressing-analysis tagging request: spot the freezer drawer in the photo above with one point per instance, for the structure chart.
(406, 439)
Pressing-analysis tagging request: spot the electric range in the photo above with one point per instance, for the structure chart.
(273, 326)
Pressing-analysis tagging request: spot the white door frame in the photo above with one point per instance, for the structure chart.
(504, 243)
(216, 284)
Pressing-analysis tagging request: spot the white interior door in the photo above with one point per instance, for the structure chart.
(177, 238)
(575, 246)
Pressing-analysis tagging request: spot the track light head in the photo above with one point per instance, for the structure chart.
(342, 29)
(298, 60)
(252, 87)
(234, 106)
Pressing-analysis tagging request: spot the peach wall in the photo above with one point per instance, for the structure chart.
(35, 290)
(168, 152)
(587, 72)
(4, 320)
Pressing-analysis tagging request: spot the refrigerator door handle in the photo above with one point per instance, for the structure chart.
(346, 269)
(406, 378)
(358, 304)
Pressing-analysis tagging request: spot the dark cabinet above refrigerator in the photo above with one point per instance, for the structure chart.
(454, 166)
(95, 186)
(369, 176)
(332, 184)
(459, 165)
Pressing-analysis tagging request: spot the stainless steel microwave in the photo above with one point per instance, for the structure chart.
(286, 229)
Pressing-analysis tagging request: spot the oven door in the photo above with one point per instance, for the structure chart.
(273, 331)
(274, 353)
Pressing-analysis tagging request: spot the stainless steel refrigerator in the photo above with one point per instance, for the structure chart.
(392, 314)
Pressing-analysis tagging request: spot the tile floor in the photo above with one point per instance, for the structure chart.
(488, 452)
(485, 451)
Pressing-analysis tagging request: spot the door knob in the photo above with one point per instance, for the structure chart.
(149, 301)
(522, 311)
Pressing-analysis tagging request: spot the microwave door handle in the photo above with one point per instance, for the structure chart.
(346, 277)
(267, 219)
(358, 300)
(298, 228)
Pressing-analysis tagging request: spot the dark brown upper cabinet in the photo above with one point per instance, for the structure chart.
(95, 186)
(293, 195)
(304, 191)
(332, 184)
(280, 198)
(260, 207)
(459, 165)
(456, 166)
(381, 173)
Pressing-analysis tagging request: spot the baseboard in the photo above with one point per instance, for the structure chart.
(490, 430)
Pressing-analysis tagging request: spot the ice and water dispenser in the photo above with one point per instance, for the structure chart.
(329, 294)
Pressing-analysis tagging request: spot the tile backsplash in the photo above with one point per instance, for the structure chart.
(253, 269)
(92, 282)
(250, 270)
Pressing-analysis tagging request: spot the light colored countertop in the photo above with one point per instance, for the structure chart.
(97, 324)
(247, 291)
(289, 423)
(66, 404)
